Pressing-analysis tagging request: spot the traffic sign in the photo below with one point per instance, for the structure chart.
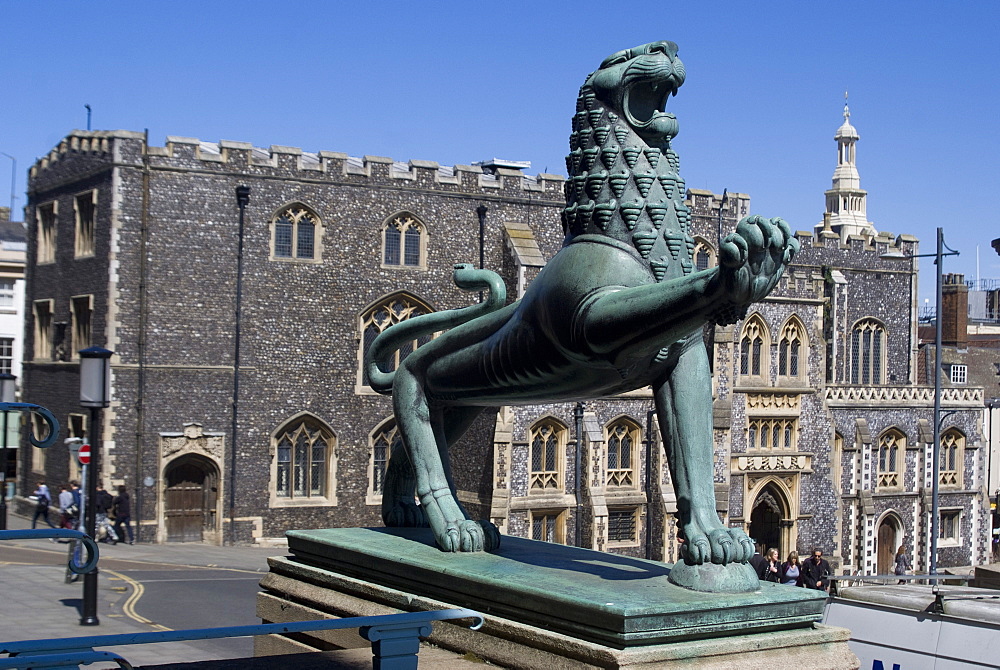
(84, 454)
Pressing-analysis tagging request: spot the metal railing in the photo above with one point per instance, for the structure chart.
(395, 640)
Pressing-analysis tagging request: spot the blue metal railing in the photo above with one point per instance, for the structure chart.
(395, 640)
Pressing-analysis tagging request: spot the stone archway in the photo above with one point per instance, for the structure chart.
(887, 541)
(767, 527)
(190, 498)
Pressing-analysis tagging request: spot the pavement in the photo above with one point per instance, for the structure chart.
(38, 603)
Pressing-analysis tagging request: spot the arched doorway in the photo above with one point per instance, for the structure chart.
(888, 540)
(191, 497)
(765, 520)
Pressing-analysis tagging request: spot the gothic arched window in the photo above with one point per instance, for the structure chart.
(382, 441)
(404, 242)
(952, 457)
(623, 437)
(753, 348)
(891, 451)
(791, 349)
(547, 444)
(388, 311)
(704, 255)
(295, 234)
(304, 449)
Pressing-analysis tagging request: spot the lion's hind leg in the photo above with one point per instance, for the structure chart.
(399, 507)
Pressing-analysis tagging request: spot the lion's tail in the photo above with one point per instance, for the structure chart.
(467, 278)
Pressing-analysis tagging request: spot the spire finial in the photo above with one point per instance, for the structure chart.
(847, 110)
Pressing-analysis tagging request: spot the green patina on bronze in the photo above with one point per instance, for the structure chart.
(618, 308)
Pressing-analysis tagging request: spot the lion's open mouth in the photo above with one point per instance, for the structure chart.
(646, 99)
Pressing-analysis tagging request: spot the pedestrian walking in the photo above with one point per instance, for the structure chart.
(67, 509)
(122, 507)
(902, 562)
(43, 499)
(103, 503)
(816, 572)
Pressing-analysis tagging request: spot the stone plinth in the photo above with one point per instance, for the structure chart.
(547, 606)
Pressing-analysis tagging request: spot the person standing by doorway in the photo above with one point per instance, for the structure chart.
(123, 514)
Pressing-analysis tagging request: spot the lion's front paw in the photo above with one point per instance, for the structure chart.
(711, 542)
(751, 261)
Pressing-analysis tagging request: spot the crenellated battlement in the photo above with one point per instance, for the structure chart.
(126, 147)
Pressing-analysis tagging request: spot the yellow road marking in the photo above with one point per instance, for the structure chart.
(129, 607)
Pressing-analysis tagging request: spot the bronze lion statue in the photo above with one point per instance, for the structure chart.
(619, 307)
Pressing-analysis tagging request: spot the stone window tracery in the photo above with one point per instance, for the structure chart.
(404, 242)
(547, 443)
(387, 312)
(383, 440)
(753, 347)
(623, 437)
(791, 346)
(295, 233)
(952, 456)
(704, 255)
(891, 451)
(868, 338)
(304, 448)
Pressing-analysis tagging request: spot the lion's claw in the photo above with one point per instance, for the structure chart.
(752, 259)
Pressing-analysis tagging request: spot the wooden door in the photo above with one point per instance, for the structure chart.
(184, 503)
(886, 550)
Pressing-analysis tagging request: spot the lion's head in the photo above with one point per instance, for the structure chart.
(623, 176)
(637, 83)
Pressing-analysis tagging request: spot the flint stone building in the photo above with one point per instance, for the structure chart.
(820, 425)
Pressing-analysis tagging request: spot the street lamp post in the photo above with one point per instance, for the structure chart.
(242, 200)
(8, 389)
(95, 394)
(938, 257)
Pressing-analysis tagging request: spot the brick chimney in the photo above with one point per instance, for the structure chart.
(954, 311)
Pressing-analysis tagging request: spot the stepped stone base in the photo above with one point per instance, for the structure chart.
(546, 606)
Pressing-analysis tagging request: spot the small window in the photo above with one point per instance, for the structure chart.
(7, 294)
(46, 235)
(959, 374)
(303, 450)
(403, 242)
(295, 234)
(6, 355)
(547, 442)
(85, 205)
(81, 311)
(76, 426)
(39, 429)
(43, 330)
(772, 434)
(950, 527)
(548, 526)
(622, 526)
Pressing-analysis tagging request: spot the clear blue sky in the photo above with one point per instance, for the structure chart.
(457, 82)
